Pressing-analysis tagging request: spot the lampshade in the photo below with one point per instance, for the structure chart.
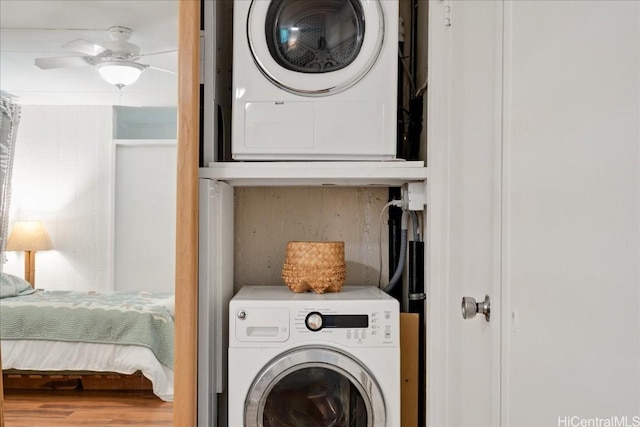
(29, 236)
(120, 73)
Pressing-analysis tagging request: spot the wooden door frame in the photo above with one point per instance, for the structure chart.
(186, 310)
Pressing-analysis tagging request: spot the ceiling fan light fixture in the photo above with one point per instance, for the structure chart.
(120, 73)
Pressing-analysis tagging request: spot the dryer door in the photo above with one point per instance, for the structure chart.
(315, 386)
(315, 47)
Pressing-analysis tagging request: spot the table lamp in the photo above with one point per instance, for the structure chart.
(30, 237)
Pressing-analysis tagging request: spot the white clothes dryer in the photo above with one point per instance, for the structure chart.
(314, 79)
(314, 360)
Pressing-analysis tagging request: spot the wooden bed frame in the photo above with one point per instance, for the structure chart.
(85, 380)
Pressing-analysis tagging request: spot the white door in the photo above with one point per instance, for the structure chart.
(571, 213)
(463, 212)
(550, 229)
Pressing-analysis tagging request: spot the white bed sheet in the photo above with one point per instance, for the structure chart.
(41, 355)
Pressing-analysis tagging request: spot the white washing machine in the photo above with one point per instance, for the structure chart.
(314, 79)
(314, 360)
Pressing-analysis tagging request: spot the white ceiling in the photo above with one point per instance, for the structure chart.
(32, 29)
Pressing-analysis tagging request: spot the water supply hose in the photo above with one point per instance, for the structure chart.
(403, 253)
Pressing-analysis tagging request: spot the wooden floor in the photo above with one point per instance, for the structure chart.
(84, 407)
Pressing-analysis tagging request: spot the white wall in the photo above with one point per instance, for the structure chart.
(62, 176)
(145, 215)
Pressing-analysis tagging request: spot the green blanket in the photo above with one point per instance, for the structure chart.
(125, 318)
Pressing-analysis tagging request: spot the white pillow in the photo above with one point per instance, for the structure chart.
(12, 286)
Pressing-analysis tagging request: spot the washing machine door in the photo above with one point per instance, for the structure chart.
(315, 47)
(315, 386)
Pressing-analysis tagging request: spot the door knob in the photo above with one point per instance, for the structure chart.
(470, 307)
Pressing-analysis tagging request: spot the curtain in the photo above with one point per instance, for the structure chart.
(10, 117)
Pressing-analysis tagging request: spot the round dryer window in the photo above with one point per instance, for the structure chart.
(315, 47)
(314, 387)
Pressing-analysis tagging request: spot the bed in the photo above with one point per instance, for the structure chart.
(88, 331)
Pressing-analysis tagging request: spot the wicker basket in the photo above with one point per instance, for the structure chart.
(315, 266)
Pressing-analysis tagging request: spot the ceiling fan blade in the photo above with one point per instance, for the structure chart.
(161, 69)
(158, 53)
(61, 62)
(86, 47)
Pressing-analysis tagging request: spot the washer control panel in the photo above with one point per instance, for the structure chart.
(357, 316)
(370, 328)
(316, 321)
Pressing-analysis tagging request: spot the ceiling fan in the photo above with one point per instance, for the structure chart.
(115, 60)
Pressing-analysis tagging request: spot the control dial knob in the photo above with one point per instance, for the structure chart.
(314, 321)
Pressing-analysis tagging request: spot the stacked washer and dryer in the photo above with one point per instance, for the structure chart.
(314, 80)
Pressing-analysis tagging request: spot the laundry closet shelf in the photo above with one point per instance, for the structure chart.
(288, 174)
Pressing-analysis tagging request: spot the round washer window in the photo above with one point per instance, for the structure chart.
(314, 386)
(314, 36)
(315, 396)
